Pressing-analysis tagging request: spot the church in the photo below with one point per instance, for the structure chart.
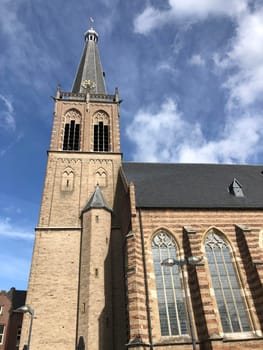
(140, 255)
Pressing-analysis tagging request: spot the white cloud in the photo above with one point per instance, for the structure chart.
(241, 140)
(245, 54)
(9, 230)
(148, 19)
(26, 53)
(166, 137)
(196, 60)
(7, 119)
(158, 136)
(204, 8)
(152, 18)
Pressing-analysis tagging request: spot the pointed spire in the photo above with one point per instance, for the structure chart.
(97, 201)
(90, 76)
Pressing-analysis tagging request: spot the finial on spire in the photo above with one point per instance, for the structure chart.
(91, 20)
(91, 33)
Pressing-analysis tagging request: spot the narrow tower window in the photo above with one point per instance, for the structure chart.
(169, 289)
(2, 328)
(101, 137)
(228, 296)
(71, 136)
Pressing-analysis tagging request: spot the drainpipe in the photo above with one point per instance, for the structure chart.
(146, 284)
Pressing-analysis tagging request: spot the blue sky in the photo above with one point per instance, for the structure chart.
(190, 74)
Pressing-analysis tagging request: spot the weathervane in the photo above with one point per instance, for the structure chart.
(91, 21)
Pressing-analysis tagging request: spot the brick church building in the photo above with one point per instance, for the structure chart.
(140, 255)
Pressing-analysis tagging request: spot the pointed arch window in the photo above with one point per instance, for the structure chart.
(169, 289)
(101, 132)
(71, 141)
(231, 305)
(67, 182)
(101, 137)
(71, 136)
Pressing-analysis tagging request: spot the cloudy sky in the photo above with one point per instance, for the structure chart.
(190, 74)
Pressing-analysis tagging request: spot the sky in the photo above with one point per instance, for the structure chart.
(190, 74)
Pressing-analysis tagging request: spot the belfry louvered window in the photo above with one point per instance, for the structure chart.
(71, 136)
(101, 137)
(231, 305)
(169, 288)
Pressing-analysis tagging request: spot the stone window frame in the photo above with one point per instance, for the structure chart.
(223, 237)
(170, 277)
(99, 172)
(72, 115)
(67, 174)
(100, 116)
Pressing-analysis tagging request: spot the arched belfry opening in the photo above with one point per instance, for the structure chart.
(101, 132)
(71, 139)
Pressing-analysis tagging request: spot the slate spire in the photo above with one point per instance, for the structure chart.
(90, 74)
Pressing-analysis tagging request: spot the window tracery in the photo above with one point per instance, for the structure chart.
(231, 305)
(169, 289)
(101, 132)
(71, 140)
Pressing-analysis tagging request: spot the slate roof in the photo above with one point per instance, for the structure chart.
(90, 67)
(160, 185)
(97, 200)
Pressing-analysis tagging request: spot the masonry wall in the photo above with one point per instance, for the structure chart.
(53, 290)
(71, 178)
(95, 308)
(6, 304)
(85, 112)
(121, 226)
(189, 227)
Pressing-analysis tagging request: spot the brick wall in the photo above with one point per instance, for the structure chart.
(53, 290)
(189, 227)
(94, 321)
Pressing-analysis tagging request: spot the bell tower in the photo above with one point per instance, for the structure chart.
(71, 259)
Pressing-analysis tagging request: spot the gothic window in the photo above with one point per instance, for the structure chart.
(101, 177)
(67, 180)
(227, 288)
(71, 140)
(169, 289)
(101, 132)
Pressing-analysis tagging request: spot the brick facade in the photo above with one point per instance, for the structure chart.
(247, 256)
(11, 320)
(60, 299)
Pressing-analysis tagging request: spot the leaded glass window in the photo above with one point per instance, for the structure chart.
(227, 289)
(169, 289)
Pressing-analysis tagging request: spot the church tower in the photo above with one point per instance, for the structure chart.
(70, 278)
